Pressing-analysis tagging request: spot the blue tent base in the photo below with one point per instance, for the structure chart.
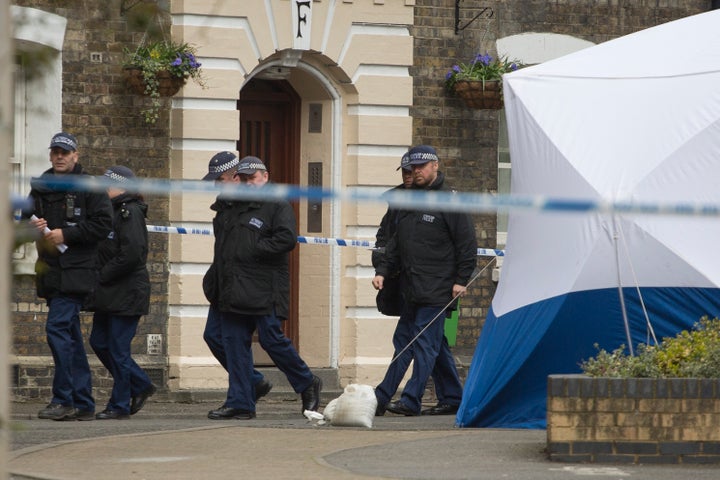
(506, 385)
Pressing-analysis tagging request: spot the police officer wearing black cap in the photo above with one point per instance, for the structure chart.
(71, 223)
(222, 169)
(388, 299)
(121, 297)
(390, 302)
(249, 284)
(436, 253)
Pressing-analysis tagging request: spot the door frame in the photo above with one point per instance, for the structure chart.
(264, 93)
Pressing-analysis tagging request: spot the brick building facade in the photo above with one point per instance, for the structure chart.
(105, 115)
(99, 109)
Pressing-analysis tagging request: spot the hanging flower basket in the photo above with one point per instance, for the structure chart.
(479, 83)
(480, 95)
(168, 84)
(160, 69)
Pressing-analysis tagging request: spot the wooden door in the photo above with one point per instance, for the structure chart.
(269, 130)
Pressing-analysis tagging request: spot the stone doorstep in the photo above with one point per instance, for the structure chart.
(281, 391)
(281, 388)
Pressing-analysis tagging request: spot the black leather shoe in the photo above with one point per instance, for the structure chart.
(138, 402)
(400, 408)
(55, 411)
(108, 414)
(262, 388)
(311, 395)
(77, 414)
(229, 413)
(211, 411)
(84, 415)
(380, 410)
(441, 409)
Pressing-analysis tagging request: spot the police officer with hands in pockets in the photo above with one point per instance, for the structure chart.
(249, 283)
(222, 169)
(121, 297)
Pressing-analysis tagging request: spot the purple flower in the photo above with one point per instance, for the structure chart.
(177, 61)
(485, 59)
(191, 61)
(456, 68)
(513, 66)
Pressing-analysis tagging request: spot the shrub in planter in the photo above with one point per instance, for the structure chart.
(690, 354)
(658, 406)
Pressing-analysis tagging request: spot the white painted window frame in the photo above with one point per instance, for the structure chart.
(38, 108)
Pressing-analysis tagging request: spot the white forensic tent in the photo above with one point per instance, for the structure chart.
(633, 119)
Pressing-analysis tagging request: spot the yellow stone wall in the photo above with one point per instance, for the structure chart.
(357, 68)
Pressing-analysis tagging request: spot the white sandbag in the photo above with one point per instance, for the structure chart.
(354, 408)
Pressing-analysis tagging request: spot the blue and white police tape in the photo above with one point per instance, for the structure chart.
(469, 202)
(19, 203)
(179, 230)
(340, 242)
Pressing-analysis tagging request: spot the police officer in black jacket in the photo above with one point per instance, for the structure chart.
(222, 169)
(71, 223)
(389, 302)
(121, 297)
(436, 252)
(249, 282)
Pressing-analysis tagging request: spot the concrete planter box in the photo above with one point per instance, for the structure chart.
(633, 420)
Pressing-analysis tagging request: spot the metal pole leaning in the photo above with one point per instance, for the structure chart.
(442, 312)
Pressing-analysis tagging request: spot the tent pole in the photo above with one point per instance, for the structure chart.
(620, 288)
(650, 329)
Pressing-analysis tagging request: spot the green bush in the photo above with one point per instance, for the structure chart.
(694, 353)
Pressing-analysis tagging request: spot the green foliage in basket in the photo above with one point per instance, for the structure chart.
(176, 58)
(482, 68)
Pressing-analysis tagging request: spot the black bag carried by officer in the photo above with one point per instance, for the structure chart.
(389, 299)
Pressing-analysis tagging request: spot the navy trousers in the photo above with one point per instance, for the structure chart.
(237, 331)
(72, 383)
(444, 373)
(213, 338)
(110, 339)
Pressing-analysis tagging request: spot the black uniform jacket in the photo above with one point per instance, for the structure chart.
(434, 250)
(249, 274)
(123, 282)
(85, 219)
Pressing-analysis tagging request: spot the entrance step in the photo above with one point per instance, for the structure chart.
(281, 391)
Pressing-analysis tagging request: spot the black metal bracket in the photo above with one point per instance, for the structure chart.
(487, 11)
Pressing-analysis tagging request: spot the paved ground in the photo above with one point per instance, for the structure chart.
(169, 440)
